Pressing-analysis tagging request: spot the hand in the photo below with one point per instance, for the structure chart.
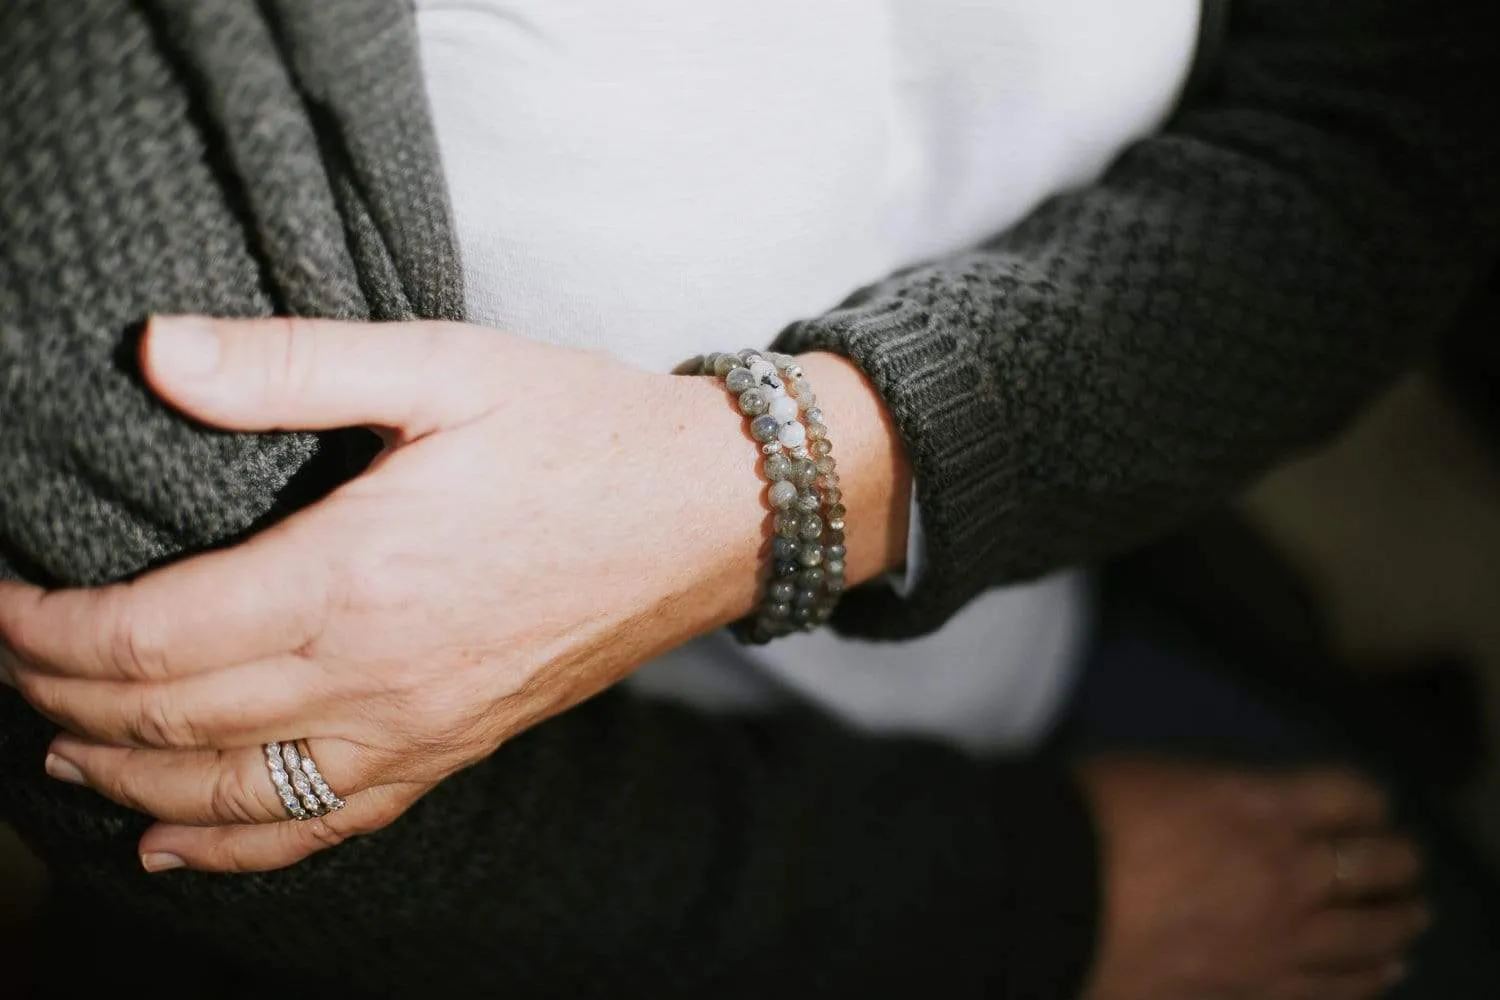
(541, 522)
(1222, 885)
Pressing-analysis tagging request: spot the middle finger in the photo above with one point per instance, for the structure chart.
(244, 705)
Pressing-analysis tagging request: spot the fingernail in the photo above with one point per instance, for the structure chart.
(158, 861)
(63, 770)
(185, 346)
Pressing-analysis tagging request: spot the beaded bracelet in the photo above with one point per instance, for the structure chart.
(807, 515)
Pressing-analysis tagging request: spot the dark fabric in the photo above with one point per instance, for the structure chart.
(245, 158)
(1233, 289)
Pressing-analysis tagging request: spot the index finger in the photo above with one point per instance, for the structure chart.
(245, 603)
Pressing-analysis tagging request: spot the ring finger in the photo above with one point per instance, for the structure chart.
(201, 787)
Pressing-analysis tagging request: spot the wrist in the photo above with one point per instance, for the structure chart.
(719, 528)
(874, 476)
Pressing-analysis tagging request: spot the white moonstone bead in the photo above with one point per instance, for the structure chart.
(760, 368)
(783, 408)
(792, 435)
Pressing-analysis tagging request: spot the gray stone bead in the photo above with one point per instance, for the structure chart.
(835, 536)
(778, 611)
(837, 510)
(723, 364)
(836, 551)
(778, 467)
(783, 494)
(811, 554)
(803, 390)
(821, 448)
(834, 568)
(784, 549)
(764, 428)
(837, 524)
(825, 480)
(825, 465)
(834, 584)
(833, 495)
(781, 590)
(816, 431)
(753, 402)
(802, 616)
(739, 379)
(814, 415)
(809, 501)
(810, 527)
(804, 473)
(810, 578)
(805, 598)
(788, 523)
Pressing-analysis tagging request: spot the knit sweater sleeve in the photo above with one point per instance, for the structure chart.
(1231, 290)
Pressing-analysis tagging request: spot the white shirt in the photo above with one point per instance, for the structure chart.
(623, 173)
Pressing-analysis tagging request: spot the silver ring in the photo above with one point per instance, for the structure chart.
(299, 784)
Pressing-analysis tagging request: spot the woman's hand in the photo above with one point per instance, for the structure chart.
(541, 522)
(1226, 885)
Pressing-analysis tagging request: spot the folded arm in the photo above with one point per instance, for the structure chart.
(1232, 290)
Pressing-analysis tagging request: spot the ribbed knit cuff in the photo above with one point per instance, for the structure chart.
(914, 361)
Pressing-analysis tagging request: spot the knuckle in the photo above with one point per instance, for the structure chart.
(124, 786)
(231, 798)
(157, 722)
(289, 360)
(324, 832)
(236, 853)
(132, 643)
(42, 692)
(25, 635)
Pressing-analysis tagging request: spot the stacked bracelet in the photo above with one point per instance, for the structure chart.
(807, 515)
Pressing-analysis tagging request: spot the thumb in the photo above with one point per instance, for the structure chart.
(286, 373)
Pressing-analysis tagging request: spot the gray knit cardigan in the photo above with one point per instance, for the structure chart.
(1233, 289)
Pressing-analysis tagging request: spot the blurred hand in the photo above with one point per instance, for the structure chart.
(1226, 885)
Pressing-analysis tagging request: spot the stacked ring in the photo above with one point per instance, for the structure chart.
(299, 784)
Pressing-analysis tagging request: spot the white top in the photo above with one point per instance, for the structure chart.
(621, 172)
